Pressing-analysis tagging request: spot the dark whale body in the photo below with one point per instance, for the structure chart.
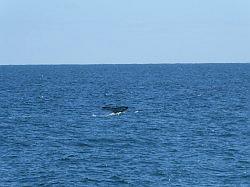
(115, 109)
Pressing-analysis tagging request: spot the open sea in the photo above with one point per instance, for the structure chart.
(186, 125)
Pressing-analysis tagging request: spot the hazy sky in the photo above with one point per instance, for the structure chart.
(124, 31)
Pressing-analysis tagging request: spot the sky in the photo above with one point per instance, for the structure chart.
(124, 31)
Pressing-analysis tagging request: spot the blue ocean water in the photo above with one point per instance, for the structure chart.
(187, 125)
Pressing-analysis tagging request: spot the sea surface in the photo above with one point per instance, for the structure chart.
(186, 125)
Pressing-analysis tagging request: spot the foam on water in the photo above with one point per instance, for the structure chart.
(107, 115)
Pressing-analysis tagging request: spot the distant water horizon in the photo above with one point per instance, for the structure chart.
(135, 63)
(185, 125)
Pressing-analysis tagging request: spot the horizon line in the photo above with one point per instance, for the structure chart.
(158, 63)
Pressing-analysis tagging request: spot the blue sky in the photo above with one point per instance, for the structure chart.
(124, 31)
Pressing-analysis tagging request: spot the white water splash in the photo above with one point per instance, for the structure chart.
(108, 115)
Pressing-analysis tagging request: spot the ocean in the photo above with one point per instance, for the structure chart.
(186, 125)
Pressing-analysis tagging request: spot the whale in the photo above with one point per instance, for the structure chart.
(115, 109)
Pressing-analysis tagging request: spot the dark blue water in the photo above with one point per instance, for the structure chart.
(187, 125)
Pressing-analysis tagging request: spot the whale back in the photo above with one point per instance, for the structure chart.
(115, 109)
